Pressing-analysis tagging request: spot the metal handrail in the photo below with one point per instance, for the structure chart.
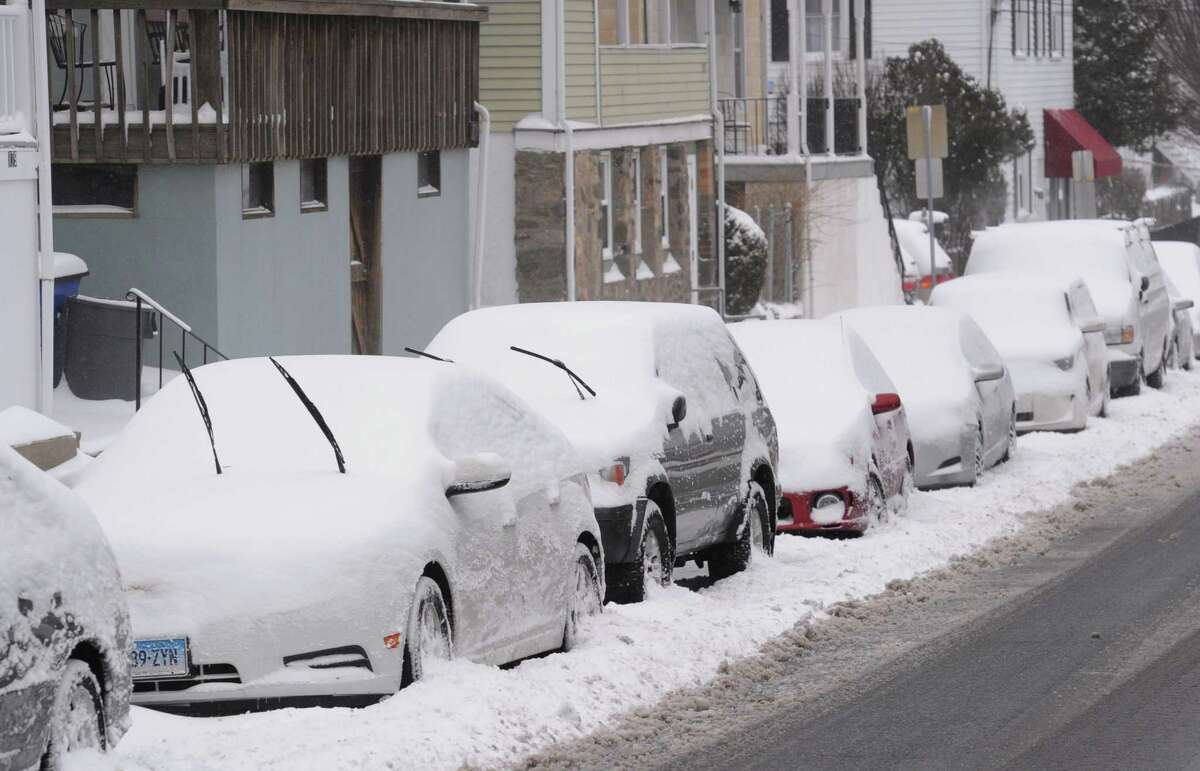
(185, 331)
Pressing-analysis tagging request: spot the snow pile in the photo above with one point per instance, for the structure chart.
(21, 425)
(468, 714)
(822, 411)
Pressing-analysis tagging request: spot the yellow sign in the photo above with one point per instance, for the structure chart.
(915, 124)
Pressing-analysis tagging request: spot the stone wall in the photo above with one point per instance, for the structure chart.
(653, 272)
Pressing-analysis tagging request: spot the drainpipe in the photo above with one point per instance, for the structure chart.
(560, 87)
(37, 23)
(485, 134)
(719, 143)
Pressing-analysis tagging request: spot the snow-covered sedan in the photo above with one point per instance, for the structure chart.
(1181, 263)
(845, 458)
(64, 624)
(1117, 262)
(657, 399)
(1183, 334)
(957, 394)
(913, 237)
(352, 518)
(1051, 339)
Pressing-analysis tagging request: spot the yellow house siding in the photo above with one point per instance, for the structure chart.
(581, 60)
(642, 84)
(510, 61)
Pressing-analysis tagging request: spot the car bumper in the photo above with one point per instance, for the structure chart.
(218, 698)
(1049, 412)
(620, 527)
(795, 515)
(1122, 369)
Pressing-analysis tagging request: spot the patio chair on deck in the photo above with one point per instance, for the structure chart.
(56, 34)
(179, 74)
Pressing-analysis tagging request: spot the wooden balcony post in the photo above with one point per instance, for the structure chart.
(143, 47)
(168, 97)
(119, 101)
(97, 101)
(72, 97)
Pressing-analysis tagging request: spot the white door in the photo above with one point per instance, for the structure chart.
(693, 228)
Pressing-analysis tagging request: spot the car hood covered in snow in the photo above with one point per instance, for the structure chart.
(822, 411)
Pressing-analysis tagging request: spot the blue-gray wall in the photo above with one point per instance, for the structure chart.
(283, 282)
(426, 250)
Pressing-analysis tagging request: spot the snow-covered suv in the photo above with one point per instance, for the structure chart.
(661, 402)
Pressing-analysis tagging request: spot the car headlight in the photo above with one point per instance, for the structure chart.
(1118, 335)
(1065, 364)
(616, 472)
(825, 501)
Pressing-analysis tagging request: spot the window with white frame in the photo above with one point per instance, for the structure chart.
(609, 267)
(814, 42)
(1058, 24)
(1021, 27)
(651, 22)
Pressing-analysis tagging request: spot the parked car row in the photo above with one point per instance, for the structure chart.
(319, 530)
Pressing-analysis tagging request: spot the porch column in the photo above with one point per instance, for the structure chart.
(799, 53)
(796, 55)
(860, 11)
(827, 18)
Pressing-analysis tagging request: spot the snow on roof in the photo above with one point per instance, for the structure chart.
(1180, 260)
(1025, 318)
(1068, 249)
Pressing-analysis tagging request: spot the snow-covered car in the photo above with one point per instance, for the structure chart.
(1117, 262)
(663, 406)
(957, 394)
(437, 515)
(1183, 336)
(64, 624)
(1051, 340)
(1180, 261)
(845, 458)
(913, 237)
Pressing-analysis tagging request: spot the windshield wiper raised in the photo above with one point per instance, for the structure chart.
(576, 380)
(419, 352)
(202, 406)
(312, 410)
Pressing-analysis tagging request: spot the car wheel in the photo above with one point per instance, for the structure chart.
(583, 599)
(1104, 402)
(77, 715)
(1155, 378)
(754, 534)
(1172, 361)
(1010, 447)
(980, 454)
(654, 564)
(428, 636)
(877, 508)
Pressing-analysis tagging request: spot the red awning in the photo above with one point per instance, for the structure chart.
(1068, 131)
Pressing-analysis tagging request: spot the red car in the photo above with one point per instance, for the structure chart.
(845, 456)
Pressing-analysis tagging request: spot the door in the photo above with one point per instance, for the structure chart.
(995, 399)
(1155, 305)
(366, 258)
(693, 227)
(1083, 313)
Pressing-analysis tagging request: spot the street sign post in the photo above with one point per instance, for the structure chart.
(928, 144)
(1083, 182)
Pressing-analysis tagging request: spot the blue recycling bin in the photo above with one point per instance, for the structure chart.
(69, 271)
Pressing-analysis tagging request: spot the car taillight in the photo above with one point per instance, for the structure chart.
(616, 472)
(1119, 335)
(885, 403)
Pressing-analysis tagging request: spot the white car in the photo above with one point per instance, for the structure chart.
(1117, 262)
(845, 458)
(437, 515)
(1051, 339)
(64, 624)
(913, 237)
(1180, 261)
(956, 391)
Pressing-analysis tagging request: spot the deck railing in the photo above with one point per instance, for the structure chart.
(758, 126)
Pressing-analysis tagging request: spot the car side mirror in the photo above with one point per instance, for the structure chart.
(1184, 304)
(1145, 283)
(478, 473)
(1093, 325)
(678, 412)
(985, 374)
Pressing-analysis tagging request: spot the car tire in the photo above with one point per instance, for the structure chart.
(583, 594)
(1155, 378)
(980, 454)
(877, 508)
(427, 635)
(755, 533)
(655, 561)
(1010, 448)
(77, 718)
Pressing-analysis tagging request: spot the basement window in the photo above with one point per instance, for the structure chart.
(94, 189)
(314, 186)
(258, 190)
(429, 174)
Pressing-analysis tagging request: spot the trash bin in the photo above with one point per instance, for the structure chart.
(69, 270)
(102, 347)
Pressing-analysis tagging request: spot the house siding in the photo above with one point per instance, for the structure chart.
(958, 24)
(649, 83)
(510, 61)
(581, 60)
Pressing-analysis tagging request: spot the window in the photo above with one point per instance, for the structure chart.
(1020, 20)
(1058, 21)
(650, 22)
(313, 185)
(611, 271)
(429, 174)
(258, 190)
(94, 189)
(814, 41)
(779, 31)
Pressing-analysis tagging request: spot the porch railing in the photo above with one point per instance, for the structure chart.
(141, 299)
(758, 125)
(16, 108)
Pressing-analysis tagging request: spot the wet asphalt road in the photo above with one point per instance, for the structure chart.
(1097, 669)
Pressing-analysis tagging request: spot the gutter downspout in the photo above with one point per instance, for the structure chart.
(560, 87)
(38, 93)
(719, 143)
(485, 133)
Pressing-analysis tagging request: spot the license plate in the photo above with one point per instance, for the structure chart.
(159, 658)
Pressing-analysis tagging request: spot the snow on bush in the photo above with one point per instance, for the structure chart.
(745, 261)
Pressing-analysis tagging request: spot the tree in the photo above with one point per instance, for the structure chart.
(983, 135)
(745, 261)
(1178, 43)
(1122, 81)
